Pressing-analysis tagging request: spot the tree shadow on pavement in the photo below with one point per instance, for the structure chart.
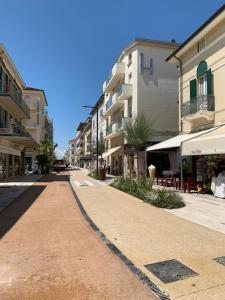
(11, 214)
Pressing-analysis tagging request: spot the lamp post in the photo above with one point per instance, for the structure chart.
(96, 107)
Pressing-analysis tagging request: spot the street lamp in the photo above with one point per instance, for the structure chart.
(95, 107)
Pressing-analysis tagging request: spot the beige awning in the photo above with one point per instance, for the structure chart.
(209, 143)
(9, 150)
(110, 151)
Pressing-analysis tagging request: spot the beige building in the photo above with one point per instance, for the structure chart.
(201, 61)
(37, 103)
(15, 140)
(140, 81)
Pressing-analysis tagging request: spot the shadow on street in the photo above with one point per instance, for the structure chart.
(18, 207)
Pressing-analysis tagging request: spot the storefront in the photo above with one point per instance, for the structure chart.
(204, 156)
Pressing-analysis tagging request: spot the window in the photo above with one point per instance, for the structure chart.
(38, 105)
(93, 124)
(201, 44)
(130, 77)
(129, 59)
(202, 85)
(38, 120)
(101, 113)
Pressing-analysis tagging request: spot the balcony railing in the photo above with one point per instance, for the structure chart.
(114, 127)
(12, 92)
(13, 128)
(202, 103)
(108, 103)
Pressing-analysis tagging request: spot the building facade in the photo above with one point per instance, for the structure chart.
(37, 103)
(200, 146)
(15, 140)
(139, 82)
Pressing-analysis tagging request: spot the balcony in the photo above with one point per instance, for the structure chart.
(114, 129)
(31, 124)
(11, 100)
(114, 76)
(123, 92)
(200, 108)
(13, 128)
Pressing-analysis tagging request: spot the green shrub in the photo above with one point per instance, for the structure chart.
(93, 174)
(166, 199)
(142, 189)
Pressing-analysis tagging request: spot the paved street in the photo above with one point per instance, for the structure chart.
(48, 250)
(148, 235)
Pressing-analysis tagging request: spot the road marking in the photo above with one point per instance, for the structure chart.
(89, 182)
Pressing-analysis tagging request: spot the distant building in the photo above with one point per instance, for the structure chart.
(48, 128)
(37, 103)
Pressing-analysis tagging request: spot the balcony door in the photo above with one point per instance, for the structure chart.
(202, 85)
(202, 93)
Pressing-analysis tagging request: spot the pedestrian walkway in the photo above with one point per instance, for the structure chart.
(203, 209)
(86, 181)
(13, 187)
(148, 235)
(48, 250)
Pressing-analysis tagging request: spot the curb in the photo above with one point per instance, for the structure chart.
(136, 271)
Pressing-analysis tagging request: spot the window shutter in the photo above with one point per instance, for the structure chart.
(209, 82)
(193, 89)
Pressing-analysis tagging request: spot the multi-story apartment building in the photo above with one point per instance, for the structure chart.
(140, 82)
(15, 140)
(48, 127)
(72, 154)
(201, 61)
(37, 103)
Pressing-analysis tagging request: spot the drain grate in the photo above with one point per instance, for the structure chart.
(220, 260)
(84, 185)
(170, 270)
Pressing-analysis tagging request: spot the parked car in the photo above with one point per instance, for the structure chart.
(59, 165)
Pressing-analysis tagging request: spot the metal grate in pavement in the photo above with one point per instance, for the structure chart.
(170, 270)
(220, 260)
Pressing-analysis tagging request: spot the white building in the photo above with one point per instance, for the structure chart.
(140, 81)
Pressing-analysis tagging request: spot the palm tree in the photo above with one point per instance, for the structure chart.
(137, 132)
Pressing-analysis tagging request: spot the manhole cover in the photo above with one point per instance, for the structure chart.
(170, 270)
(220, 260)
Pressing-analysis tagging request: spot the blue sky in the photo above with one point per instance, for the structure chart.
(67, 47)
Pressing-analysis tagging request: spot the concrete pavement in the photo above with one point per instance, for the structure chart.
(48, 251)
(146, 234)
(15, 186)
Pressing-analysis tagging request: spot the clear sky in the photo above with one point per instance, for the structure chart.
(68, 47)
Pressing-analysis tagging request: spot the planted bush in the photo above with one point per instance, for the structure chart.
(165, 199)
(142, 189)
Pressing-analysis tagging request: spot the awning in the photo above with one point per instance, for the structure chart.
(110, 151)
(174, 142)
(9, 150)
(212, 142)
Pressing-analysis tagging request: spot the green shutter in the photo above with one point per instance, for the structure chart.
(209, 82)
(193, 89)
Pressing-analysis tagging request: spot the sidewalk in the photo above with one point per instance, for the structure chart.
(146, 235)
(15, 186)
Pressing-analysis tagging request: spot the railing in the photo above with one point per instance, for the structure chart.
(13, 128)
(114, 126)
(10, 90)
(31, 123)
(198, 104)
(108, 103)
